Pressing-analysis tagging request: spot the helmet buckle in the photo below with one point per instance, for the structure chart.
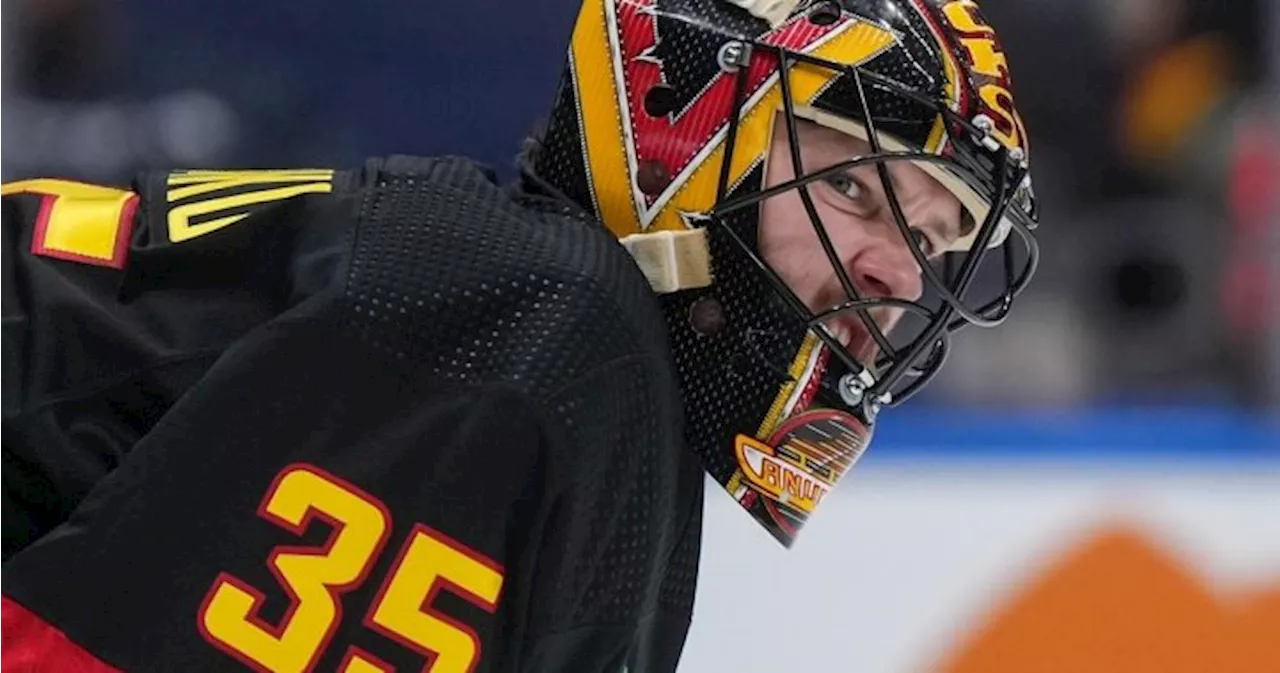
(733, 55)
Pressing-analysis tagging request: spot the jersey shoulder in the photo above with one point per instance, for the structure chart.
(452, 272)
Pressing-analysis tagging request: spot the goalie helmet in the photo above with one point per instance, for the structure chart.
(662, 130)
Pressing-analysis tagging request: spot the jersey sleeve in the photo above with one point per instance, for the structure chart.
(615, 589)
(113, 306)
(304, 505)
(307, 505)
(464, 454)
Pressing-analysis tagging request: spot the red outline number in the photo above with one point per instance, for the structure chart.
(315, 580)
(430, 562)
(80, 222)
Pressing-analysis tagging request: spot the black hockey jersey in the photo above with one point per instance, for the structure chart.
(393, 418)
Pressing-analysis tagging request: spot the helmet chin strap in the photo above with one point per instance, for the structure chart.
(672, 260)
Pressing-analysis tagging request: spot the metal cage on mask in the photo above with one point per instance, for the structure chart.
(905, 370)
(776, 406)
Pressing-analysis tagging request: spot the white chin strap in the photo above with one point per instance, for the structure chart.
(672, 260)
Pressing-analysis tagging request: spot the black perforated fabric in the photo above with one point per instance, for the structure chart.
(485, 367)
(449, 274)
(614, 546)
(461, 280)
(680, 582)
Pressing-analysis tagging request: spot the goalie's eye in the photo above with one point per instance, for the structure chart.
(921, 239)
(847, 185)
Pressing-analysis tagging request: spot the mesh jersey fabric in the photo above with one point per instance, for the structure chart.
(492, 373)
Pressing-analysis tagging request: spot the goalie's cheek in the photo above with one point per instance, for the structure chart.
(790, 243)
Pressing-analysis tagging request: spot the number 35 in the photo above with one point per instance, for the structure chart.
(316, 578)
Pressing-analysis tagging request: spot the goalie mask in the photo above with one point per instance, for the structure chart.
(679, 122)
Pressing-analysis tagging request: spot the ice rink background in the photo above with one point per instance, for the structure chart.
(1086, 549)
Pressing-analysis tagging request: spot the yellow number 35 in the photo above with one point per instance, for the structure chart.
(316, 578)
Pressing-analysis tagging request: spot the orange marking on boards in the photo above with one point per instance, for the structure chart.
(1120, 604)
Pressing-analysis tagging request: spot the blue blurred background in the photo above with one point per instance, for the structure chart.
(1153, 122)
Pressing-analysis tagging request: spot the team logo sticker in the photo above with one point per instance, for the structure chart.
(783, 479)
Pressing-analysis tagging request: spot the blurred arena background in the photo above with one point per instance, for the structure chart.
(1094, 486)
